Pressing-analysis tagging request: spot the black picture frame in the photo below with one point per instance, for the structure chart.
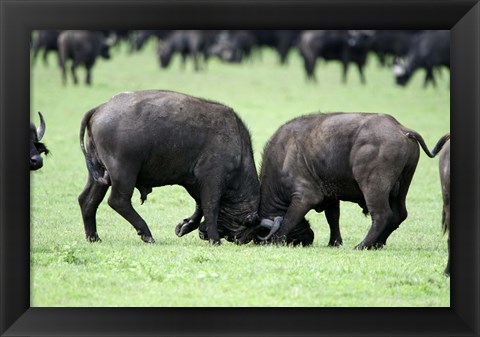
(18, 18)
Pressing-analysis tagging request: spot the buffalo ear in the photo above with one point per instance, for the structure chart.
(41, 128)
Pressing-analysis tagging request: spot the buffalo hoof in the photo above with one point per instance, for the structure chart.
(374, 246)
(185, 227)
(335, 243)
(214, 242)
(147, 239)
(93, 238)
(202, 235)
(279, 239)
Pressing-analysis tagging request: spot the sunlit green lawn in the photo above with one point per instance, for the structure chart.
(123, 271)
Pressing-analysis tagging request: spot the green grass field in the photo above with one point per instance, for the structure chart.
(123, 271)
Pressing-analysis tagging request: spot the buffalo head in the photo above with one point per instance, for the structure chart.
(401, 71)
(36, 147)
(261, 231)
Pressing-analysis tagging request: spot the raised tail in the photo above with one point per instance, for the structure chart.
(94, 170)
(415, 135)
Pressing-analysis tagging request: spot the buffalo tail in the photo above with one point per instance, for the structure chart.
(415, 135)
(93, 170)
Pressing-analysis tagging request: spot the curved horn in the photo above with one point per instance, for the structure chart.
(41, 128)
(272, 225)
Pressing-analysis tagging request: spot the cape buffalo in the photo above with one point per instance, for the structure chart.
(82, 47)
(314, 161)
(391, 44)
(428, 50)
(46, 40)
(187, 43)
(347, 46)
(36, 147)
(232, 46)
(444, 166)
(153, 138)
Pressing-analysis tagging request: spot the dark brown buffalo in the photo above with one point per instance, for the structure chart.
(444, 166)
(428, 50)
(36, 147)
(82, 47)
(46, 40)
(316, 161)
(188, 43)
(346, 46)
(153, 138)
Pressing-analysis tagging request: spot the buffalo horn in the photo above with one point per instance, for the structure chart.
(272, 225)
(41, 128)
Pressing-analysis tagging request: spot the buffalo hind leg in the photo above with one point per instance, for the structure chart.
(399, 214)
(121, 201)
(73, 67)
(381, 213)
(190, 224)
(397, 201)
(89, 200)
(332, 213)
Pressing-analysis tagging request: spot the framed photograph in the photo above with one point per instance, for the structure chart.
(39, 296)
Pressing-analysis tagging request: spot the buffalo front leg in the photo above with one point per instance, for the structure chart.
(361, 73)
(344, 71)
(89, 200)
(190, 224)
(295, 214)
(210, 199)
(332, 213)
(88, 77)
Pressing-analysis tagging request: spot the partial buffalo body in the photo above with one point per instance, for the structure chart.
(82, 47)
(36, 147)
(148, 139)
(391, 44)
(45, 40)
(140, 38)
(316, 161)
(444, 166)
(429, 50)
(232, 46)
(281, 40)
(345, 46)
(187, 43)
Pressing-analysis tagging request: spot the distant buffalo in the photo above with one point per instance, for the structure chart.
(444, 167)
(45, 40)
(147, 139)
(391, 44)
(429, 50)
(187, 43)
(36, 147)
(316, 161)
(82, 47)
(345, 46)
(232, 45)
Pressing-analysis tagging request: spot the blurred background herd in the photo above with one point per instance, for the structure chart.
(402, 52)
